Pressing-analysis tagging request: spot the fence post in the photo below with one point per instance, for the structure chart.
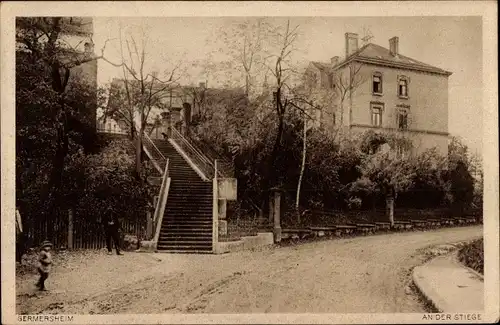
(70, 229)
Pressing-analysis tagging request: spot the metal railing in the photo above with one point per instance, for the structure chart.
(153, 152)
(197, 156)
(225, 167)
(204, 156)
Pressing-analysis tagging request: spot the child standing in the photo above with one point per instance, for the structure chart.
(44, 263)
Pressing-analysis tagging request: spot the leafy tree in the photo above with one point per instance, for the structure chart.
(382, 172)
(54, 108)
(429, 186)
(106, 179)
(461, 182)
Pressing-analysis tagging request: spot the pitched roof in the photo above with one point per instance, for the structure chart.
(376, 54)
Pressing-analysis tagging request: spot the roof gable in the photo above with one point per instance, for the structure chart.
(376, 54)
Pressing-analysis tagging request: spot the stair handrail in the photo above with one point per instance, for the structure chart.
(151, 142)
(225, 166)
(148, 143)
(192, 147)
(162, 202)
(195, 154)
(224, 172)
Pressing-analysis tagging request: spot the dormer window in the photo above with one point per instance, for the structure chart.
(377, 83)
(403, 87)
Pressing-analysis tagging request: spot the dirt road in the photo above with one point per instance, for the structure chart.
(363, 274)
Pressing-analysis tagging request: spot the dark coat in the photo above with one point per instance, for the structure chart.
(110, 220)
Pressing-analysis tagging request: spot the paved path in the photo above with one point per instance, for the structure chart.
(450, 286)
(363, 274)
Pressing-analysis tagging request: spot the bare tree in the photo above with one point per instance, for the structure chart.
(139, 91)
(346, 82)
(282, 70)
(246, 43)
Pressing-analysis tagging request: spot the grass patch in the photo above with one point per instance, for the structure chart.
(472, 255)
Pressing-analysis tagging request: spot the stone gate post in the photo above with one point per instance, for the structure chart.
(277, 214)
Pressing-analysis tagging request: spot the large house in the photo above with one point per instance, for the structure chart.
(380, 89)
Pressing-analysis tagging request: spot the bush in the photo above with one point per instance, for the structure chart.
(472, 255)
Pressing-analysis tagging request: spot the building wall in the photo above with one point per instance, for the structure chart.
(427, 104)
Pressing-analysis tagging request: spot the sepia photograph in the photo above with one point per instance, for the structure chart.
(249, 164)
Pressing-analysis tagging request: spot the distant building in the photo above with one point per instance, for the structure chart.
(75, 46)
(392, 93)
(178, 105)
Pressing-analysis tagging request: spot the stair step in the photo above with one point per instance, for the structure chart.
(207, 232)
(185, 226)
(173, 229)
(179, 192)
(187, 208)
(185, 232)
(206, 200)
(186, 237)
(186, 246)
(175, 251)
(181, 217)
(174, 222)
(199, 242)
(187, 217)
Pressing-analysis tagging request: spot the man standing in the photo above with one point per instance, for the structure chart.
(111, 228)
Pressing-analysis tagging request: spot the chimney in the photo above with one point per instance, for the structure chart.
(394, 46)
(351, 43)
(334, 61)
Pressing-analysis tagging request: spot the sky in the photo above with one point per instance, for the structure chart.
(450, 43)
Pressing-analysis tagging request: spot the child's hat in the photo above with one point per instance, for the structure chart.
(46, 243)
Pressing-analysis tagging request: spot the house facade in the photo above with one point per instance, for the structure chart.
(377, 88)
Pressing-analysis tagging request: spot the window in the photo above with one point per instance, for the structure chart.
(377, 83)
(403, 87)
(403, 119)
(376, 115)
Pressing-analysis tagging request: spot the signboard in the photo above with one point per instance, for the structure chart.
(228, 188)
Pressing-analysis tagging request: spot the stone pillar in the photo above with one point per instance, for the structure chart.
(277, 215)
(390, 209)
(222, 217)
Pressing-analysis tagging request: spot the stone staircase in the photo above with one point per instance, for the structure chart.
(187, 221)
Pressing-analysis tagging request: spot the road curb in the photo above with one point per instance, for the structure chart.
(429, 294)
(428, 286)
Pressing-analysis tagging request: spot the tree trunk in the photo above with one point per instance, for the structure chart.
(276, 148)
(138, 155)
(341, 113)
(302, 168)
